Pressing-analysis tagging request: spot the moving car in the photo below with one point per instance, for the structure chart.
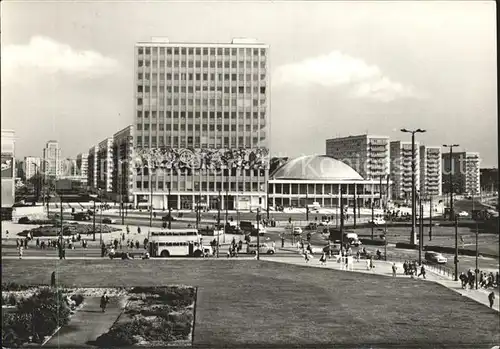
(434, 257)
(264, 248)
(464, 214)
(109, 221)
(311, 226)
(297, 230)
(377, 221)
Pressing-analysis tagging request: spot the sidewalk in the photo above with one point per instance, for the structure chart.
(385, 268)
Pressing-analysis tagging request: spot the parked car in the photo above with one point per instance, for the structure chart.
(81, 216)
(297, 230)
(109, 221)
(264, 248)
(435, 257)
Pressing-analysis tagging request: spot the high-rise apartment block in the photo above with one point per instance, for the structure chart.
(430, 171)
(32, 166)
(82, 165)
(123, 164)
(52, 165)
(369, 155)
(105, 165)
(465, 172)
(92, 160)
(201, 123)
(401, 169)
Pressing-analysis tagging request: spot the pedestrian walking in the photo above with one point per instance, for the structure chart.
(138, 230)
(282, 241)
(21, 252)
(394, 269)
(405, 267)
(322, 259)
(372, 265)
(306, 256)
(491, 298)
(422, 272)
(368, 264)
(104, 302)
(128, 229)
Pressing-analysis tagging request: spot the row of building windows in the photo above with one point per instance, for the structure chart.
(190, 115)
(201, 51)
(232, 173)
(159, 89)
(197, 102)
(204, 76)
(198, 64)
(155, 89)
(196, 141)
(197, 186)
(197, 127)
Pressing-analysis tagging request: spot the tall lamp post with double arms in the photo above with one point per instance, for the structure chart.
(413, 182)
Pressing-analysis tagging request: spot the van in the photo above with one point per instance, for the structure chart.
(314, 206)
(264, 248)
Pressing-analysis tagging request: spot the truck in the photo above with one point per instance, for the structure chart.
(348, 237)
(251, 228)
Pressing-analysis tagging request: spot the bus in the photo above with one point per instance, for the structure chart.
(177, 242)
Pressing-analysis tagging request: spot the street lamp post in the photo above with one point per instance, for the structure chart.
(100, 220)
(227, 207)
(169, 208)
(413, 181)
(307, 208)
(477, 236)
(373, 217)
(150, 197)
(420, 231)
(218, 222)
(451, 146)
(341, 221)
(430, 218)
(93, 224)
(258, 233)
(456, 249)
(355, 205)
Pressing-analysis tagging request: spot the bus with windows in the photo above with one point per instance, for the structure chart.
(177, 242)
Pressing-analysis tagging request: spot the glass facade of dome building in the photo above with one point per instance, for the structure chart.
(308, 179)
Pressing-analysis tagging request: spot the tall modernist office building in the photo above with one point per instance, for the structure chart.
(82, 165)
(465, 170)
(430, 171)
(52, 165)
(201, 123)
(401, 169)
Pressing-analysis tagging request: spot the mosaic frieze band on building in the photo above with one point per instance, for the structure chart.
(202, 158)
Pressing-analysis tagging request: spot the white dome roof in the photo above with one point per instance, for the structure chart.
(316, 167)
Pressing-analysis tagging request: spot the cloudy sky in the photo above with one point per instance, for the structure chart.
(338, 68)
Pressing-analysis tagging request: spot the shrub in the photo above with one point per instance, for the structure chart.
(16, 329)
(23, 220)
(48, 310)
(406, 245)
(12, 286)
(121, 335)
(78, 298)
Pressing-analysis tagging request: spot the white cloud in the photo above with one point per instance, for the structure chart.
(47, 56)
(337, 69)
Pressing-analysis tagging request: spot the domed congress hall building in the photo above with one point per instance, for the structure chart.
(319, 178)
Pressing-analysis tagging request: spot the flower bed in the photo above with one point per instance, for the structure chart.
(153, 317)
(68, 230)
(35, 316)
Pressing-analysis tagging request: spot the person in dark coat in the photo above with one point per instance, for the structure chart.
(104, 302)
(491, 298)
(53, 279)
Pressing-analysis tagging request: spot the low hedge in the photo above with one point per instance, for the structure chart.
(26, 220)
(406, 245)
(374, 242)
(68, 230)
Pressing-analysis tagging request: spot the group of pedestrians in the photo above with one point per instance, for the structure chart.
(485, 280)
